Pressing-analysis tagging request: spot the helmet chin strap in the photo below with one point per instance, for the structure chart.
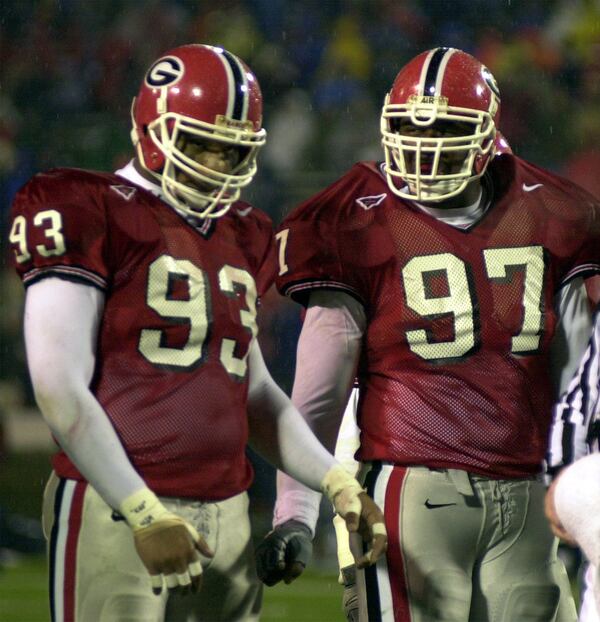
(436, 191)
(193, 203)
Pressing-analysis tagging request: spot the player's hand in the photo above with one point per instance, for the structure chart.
(350, 597)
(550, 511)
(284, 553)
(169, 549)
(359, 511)
(168, 546)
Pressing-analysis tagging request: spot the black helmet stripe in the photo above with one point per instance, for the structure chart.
(430, 83)
(239, 110)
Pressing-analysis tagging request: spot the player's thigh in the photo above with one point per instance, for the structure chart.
(95, 572)
(230, 589)
(520, 576)
(432, 532)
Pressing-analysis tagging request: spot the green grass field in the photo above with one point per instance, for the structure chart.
(312, 598)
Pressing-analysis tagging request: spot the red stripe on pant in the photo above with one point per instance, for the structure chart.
(70, 562)
(395, 561)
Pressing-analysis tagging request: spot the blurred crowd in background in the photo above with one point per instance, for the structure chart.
(69, 69)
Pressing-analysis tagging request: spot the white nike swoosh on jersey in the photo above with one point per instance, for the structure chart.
(245, 211)
(532, 187)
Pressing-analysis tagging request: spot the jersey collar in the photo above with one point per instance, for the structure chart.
(130, 173)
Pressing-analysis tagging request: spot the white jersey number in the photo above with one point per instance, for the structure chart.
(282, 238)
(51, 222)
(196, 312)
(461, 301)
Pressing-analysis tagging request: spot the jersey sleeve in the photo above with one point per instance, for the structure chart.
(585, 261)
(575, 428)
(316, 248)
(58, 229)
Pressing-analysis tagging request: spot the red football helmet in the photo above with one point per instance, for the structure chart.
(198, 91)
(441, 86)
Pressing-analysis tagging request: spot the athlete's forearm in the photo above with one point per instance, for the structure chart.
(328, 352)
(61, 323)
(277, 430)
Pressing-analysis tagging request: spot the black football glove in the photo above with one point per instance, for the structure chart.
(350, 597)
(284, 553)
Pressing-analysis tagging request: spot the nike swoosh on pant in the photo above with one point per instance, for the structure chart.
(431, 506)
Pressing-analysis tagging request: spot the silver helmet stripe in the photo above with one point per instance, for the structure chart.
(432, 72)
(231, 91)
(424, 70)
(237, 82)
(442, 70)
(240, 109)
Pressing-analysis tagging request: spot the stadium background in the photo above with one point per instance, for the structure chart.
(68, 71)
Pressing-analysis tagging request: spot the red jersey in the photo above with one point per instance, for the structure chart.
(179, 318)
(454, 365)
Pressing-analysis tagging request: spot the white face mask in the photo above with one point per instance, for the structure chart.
(428, 168)
(209, 193)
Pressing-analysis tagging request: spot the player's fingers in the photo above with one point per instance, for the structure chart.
(195, 572)
(184, 579)
(275, 558)
(203, 547)
(180, 582)
(352, 521)
(373, 521)
(376, 551)
(156, 580)
(379, 542)
(293, 571)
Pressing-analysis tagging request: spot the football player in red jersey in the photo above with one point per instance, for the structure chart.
(140, 327)
(449, 279)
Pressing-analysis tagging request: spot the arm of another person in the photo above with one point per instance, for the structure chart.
(574, 415)
(576, 410)
(567, 439)
(61, 324)
(328, 352)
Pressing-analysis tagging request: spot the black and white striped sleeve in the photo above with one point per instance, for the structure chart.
(576, 417)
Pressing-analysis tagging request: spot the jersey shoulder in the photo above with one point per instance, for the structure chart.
(362, 187)
(254, 235)
(553, 186)
(327, 242)
(64, 186)
(59, 226)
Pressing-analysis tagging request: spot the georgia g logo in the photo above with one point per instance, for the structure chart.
(165, 72)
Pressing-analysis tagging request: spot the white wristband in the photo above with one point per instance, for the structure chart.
(142, 509)
(342, 490)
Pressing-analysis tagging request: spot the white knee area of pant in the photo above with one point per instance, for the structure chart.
(577, 503)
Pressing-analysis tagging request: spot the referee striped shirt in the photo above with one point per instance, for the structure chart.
(576, 425)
